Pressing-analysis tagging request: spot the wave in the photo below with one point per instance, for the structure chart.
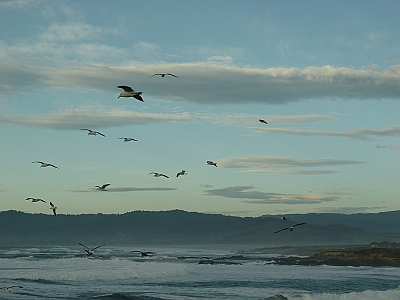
(393, 294)
(119, 296)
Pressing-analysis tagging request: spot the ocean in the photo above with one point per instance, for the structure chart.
(175, 273)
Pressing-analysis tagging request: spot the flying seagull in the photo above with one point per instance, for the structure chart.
(285, 218)
(158, 174)
(183, 172)
(35, 199)
(92, 132)
(126, 139)
(9, 288)
(128, 92)
(262, 121)
(103, 187)
(53, 208)
(144, 253)
(43, 164)
(289, 228)
(211, 163)
(89, 251)
(163, 75)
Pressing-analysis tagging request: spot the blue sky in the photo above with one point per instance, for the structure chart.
(325, 75)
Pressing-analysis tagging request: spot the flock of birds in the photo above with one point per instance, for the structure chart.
(129, 92)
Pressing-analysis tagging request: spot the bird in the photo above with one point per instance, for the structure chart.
(103, 187)
(183, 172)
(163, 75)
(144, 253)
(92, 132)
(211, 163)
(285, 218)
(129, 92)
(158, 174)
(35, 199)
(43, 164)
(52, 207)
(262, 121)
(89, 251)
(9, 288)
(289, 228)
(127, 139)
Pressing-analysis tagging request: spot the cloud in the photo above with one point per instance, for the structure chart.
(356, 134)
(72, 119)
(260, 162)
(206, 83)
(294, 172)
(347, 210)
(394, 147)
(126, 189)
(256, 197)
(217, 84)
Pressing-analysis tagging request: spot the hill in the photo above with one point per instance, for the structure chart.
(181, 228)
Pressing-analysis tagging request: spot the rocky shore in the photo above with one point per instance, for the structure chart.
(377, 257)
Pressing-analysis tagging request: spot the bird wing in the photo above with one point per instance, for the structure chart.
(164, 175)
(153, 75)
(85, 129)
(298, 224)
(126, 88)
(138, 97)
(97, 247)
(172, 75)
(52, 166)
(100, 133)
(84, 246)
(282, 229)
(105, 185)
(30, 198)
(51, 204)
(42, 200)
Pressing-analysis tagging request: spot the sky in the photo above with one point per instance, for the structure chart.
(325, 75)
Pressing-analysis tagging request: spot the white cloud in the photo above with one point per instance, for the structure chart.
(356, 134)
(256, 197)
(210, 82)
(72, 119)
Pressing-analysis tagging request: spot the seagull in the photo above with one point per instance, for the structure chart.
(127, 139)
(262, 121)
(92, 132)
(128, 92)
(53, 208)
(103, 187)
(43, 164)
(144, 253)
(9, 288)
(211, 163)
(35, 199)
(89, 251)
(183, 172)
(164, 74)
(158, 174)
(285, 218)
(289, 228)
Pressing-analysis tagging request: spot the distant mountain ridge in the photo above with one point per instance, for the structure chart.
(376, 222)
(177, 227)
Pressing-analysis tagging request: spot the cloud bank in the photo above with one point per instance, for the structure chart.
(210, 83)
(256, 197)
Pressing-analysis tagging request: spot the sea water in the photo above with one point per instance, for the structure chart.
(119, 273)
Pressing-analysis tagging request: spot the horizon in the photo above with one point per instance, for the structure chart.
(324, 76)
